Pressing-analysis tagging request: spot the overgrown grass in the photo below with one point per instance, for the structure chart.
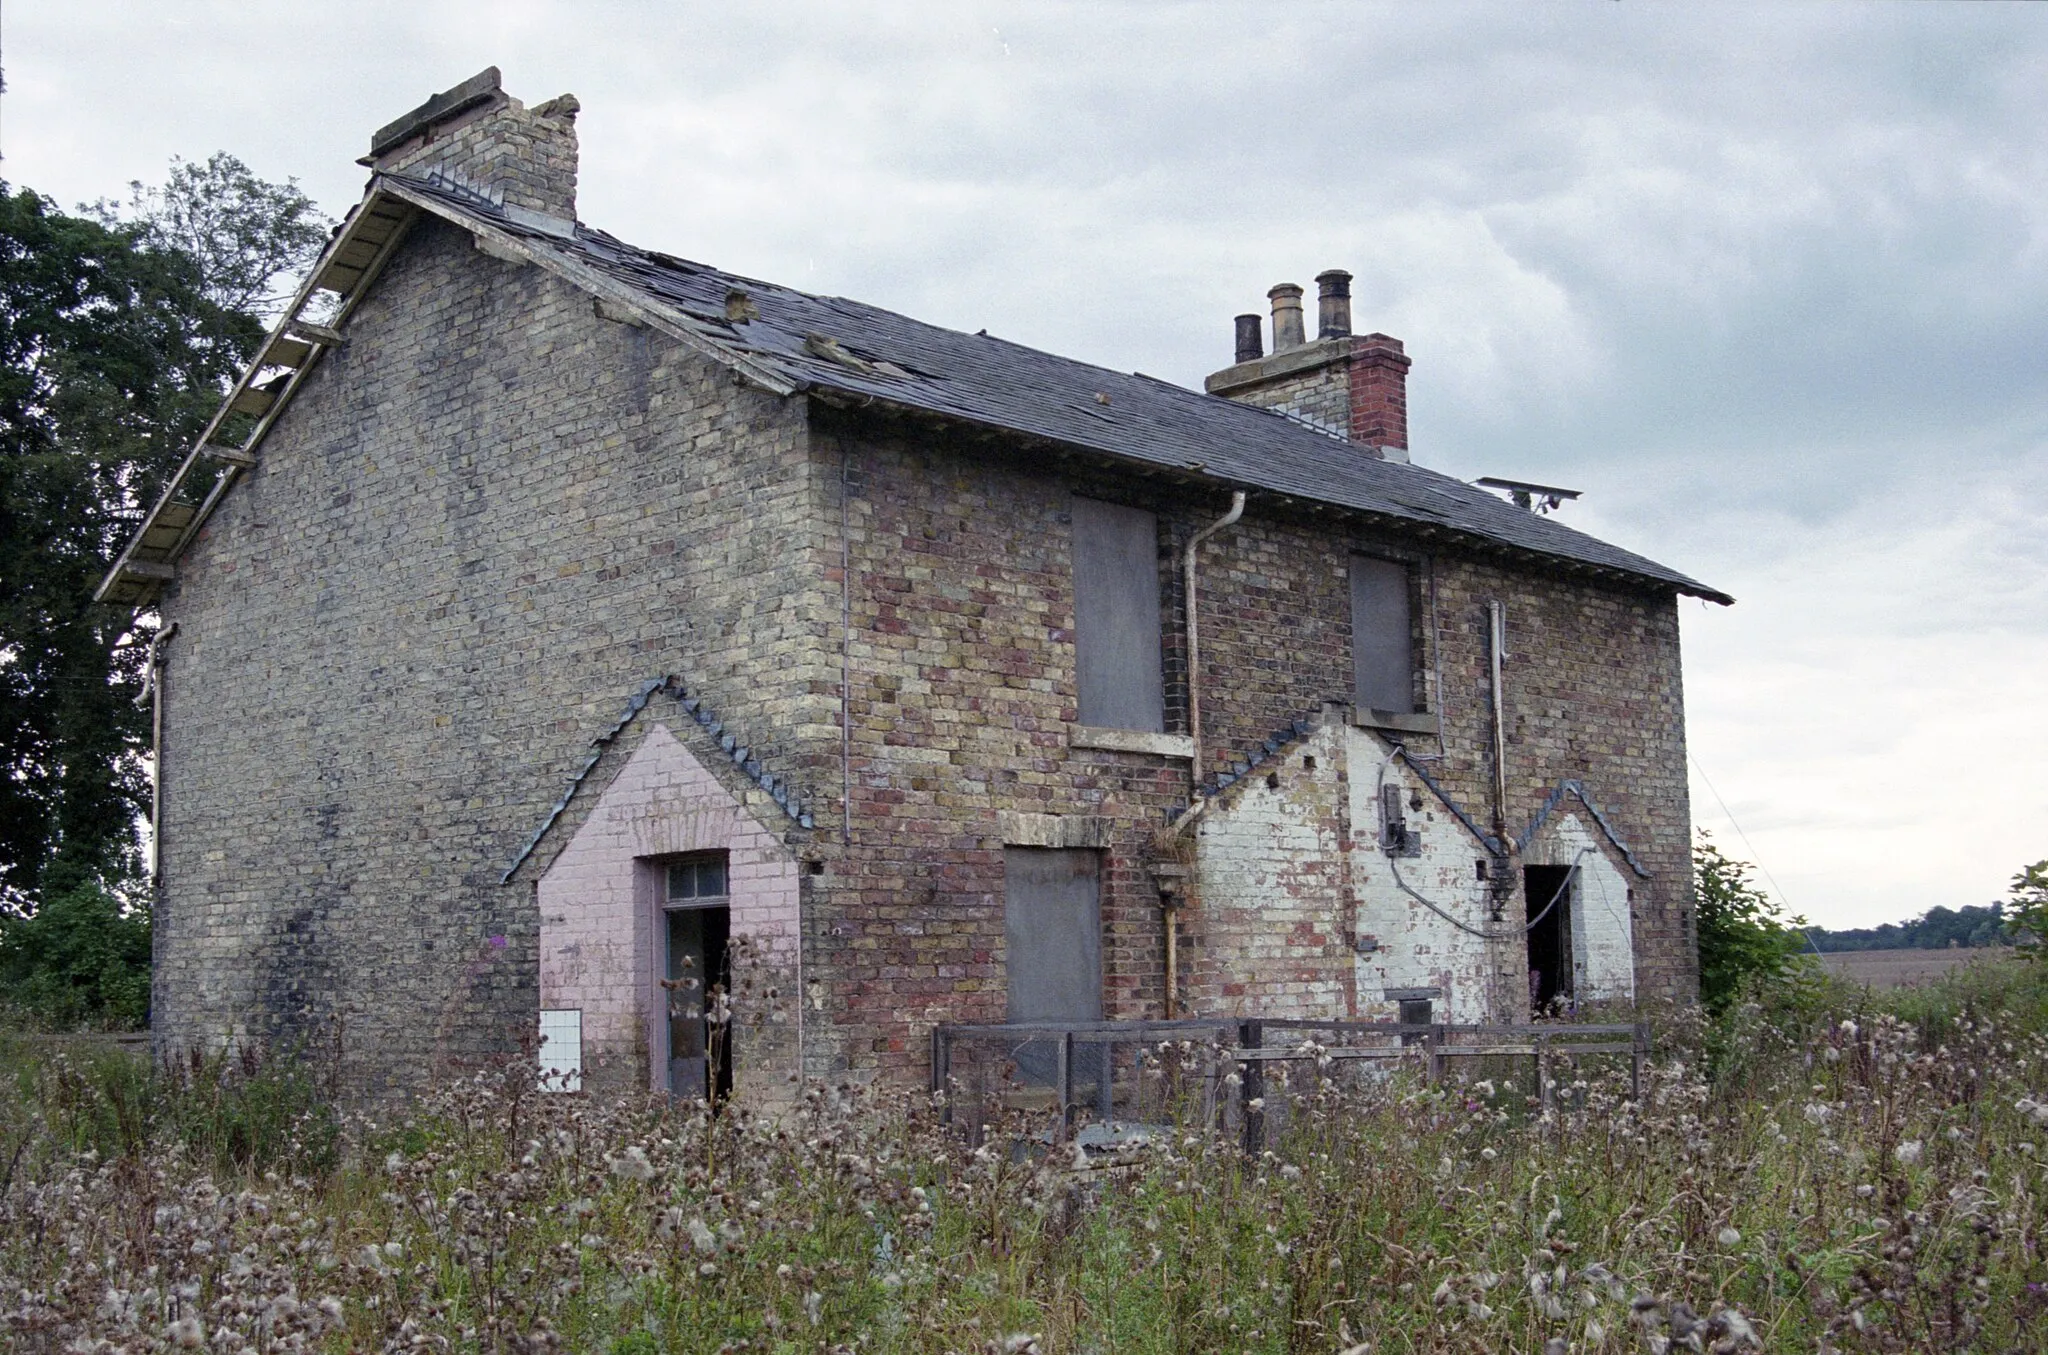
(1863, 1174)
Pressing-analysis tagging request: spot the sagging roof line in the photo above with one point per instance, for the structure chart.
(683, 328)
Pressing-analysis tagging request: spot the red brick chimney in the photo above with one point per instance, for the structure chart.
(1355, 386)
(480, 138)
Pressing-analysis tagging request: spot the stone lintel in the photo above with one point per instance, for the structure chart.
(1020, 829)
(1418, 722)
(1131, 741)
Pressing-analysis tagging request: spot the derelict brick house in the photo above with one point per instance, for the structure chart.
(547, 618)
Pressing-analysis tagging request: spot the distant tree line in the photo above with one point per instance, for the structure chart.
(1936, 929)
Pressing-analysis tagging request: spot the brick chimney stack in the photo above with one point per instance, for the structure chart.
(1355, 386)
(480, 138)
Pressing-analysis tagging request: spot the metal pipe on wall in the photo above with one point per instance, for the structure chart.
(1171, 914)
(153, 692)
(1194, 630)
(1509, 893)
(1497, 633)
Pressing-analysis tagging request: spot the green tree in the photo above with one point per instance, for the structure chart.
(82, 958)
(1744, 937)
(2027, 922)
(117, 340)
(251, 238)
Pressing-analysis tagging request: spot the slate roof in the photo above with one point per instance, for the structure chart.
(984, 380)
(835, 348)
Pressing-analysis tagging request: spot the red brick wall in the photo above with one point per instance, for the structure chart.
(962, 689)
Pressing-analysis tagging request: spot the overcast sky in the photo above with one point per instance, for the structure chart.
(1769, 283)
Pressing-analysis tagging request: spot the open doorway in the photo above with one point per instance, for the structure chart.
(1550, 939)
(696, 975)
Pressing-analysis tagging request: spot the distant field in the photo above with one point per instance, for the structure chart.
(1904, 968)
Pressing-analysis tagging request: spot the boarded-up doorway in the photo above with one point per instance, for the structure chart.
(1052, 923)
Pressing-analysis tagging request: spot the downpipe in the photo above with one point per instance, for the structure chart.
(1170, 912)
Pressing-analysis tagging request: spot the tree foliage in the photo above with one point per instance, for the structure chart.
(82, 958)
(1936, 929)
(1744, 936)
(118, 338)
(111, 358)
(2028, 919)
(250, 238)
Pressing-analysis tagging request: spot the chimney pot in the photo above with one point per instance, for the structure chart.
(1287, 330)
(1333, 318)
(1250, 338)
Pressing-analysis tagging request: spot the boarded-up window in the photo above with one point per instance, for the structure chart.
(1116, 616)
(1052, 926)
(1382, 636)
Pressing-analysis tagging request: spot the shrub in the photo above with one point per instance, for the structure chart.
(2028, 923)
(1883, 1196)
(80, 959)
(1743, 936)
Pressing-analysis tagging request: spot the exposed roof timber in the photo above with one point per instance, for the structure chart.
(370, 236)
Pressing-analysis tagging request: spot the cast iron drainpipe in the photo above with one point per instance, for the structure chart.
(153, 692)
(1195, 635)
(1196, 802)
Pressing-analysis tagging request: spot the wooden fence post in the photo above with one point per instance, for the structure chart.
(1638, 1058)
(1543, 1071)
(1252, 1087)
(942, 1071)
(1066, 1083)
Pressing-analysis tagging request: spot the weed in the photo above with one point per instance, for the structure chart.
(1853, 1179)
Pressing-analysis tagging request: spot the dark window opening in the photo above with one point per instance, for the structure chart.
(696, 926)
(1116, 617)
(1550, 939)
(1396, 837)
(697, 877)
(1382, 636)
(1416, 1011)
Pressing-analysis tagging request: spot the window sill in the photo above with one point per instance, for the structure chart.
(1417, 723)
(1131, 741)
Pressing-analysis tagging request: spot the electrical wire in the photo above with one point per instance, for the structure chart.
(1394, 864)
(1783, 902)
(1507, 934)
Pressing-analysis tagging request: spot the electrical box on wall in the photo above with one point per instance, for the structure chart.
(561, 1051)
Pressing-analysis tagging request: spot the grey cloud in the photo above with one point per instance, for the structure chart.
(1769, 282)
